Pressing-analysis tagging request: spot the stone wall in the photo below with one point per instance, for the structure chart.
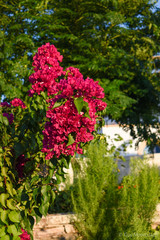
(55, 226)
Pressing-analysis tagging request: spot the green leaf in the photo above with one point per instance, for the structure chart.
(46, 198)
(3, 198)
(1, 210)
(65, 162)
(1, 118)
(25, 223)
(36, 192)
(41, 106)
(44, 94)
(1, 149)
(14, 216)
(6, 237)
(45, 189)
(59, 179)
(5, 121)
(17, 237)
(70, 140)
(2, 231)
(35, 106)
(38, 99)
(4, 216)
(53, 196)
(34, 179)
(9, 188)
(4, 171)
(57, 104)
(44, 208)
(11, 204)
(8, 161)
(51, 172)
(87, 115)
(79, 103)
(13, 230)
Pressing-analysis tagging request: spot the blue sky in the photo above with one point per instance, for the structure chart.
(158, 4)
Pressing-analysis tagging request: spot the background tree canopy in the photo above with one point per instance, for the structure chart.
(112, 41)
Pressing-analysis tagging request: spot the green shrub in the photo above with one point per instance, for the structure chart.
(138, 197)
(98, 176)
(108, 211)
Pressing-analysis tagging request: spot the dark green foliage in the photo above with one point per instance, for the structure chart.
(15, 44)
(110, 41)
(62, 202)
(106, 210)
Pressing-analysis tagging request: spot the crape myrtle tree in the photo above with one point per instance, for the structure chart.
(112, 41)
(39, 136)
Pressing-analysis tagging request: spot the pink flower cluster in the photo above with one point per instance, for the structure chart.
(65, 121)
(24, 235)
(18, 102)
(47, 70)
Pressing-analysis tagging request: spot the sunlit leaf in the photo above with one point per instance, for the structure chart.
(3, 198)
(70, 140)
(79, 103)
(14, 216)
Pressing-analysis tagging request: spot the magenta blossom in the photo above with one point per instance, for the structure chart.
(24, 235)
(18, 102)
(47, 70)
